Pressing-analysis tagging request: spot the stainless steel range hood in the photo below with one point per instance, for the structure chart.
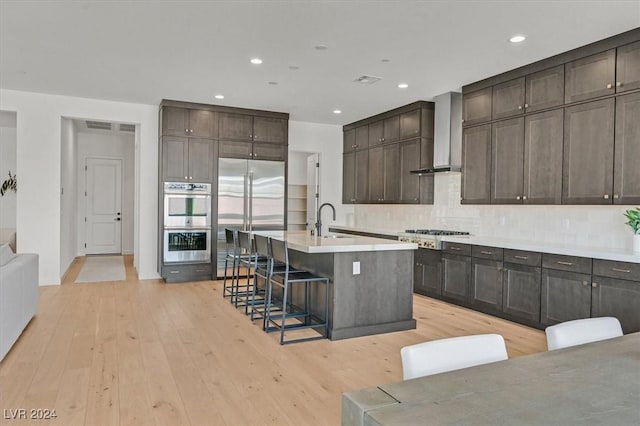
(447, 148)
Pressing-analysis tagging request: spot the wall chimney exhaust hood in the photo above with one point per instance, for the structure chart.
(447, 146)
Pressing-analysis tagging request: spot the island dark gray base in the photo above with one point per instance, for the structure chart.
(378, 300)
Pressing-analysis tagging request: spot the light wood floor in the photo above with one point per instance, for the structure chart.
(144, 352)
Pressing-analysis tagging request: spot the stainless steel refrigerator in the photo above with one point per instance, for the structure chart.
(251, 196)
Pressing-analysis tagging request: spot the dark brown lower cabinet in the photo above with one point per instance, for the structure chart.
(565, 296)
(428, 272)
(456, 277)
(486, 285)
(521, 291)
(612, 297)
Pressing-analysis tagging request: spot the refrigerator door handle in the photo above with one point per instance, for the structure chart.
(245, 203)
(250, 201)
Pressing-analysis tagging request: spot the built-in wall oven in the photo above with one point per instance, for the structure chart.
(187, 205)
(187, 245)
(187, 222)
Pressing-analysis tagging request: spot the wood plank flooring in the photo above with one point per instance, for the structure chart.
(147, 353)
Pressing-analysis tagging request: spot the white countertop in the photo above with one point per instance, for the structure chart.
(304, 242)
(592, 252)
(555, 248)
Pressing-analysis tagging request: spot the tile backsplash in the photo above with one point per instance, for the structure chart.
(580, 226)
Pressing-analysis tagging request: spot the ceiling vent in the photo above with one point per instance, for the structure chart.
(367, 79)
(98, 125)
(131, 128)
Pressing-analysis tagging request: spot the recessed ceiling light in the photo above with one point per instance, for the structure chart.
(321, 47)
(256, 61)
(219, 96)
(273, 83)
(385, 60)
(403, 85)
(337, 111)
(294, 67)
(517, 39)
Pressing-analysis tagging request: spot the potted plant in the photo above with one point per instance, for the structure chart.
(633, 216)
(10, 184)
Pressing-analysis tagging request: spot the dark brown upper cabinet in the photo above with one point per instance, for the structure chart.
(235, 149)
(410, 124)
(348, 178)
(376, 174)
(355, 182)
(544, 89)
(189, 122)
(236, 127)
(242, 127)
(476, 165)
(362, 137)
(476, 107)
(409, 160)
(376, 133)
(626, 178)
(391, 160)
(391, 132)
(587, 169)
(628, 67)
(508, 98)
(187, 159)
(349, 141)
(507, 154)
(271, 130)
(590, 77)
(543, 137)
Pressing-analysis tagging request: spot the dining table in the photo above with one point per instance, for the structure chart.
(596, 383)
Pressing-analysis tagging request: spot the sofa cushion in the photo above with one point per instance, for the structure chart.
(8, 235)
(6, 254)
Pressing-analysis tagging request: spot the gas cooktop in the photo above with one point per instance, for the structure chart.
(434, 232)
(428, 238)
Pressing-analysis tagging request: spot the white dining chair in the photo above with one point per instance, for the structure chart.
(579, 332)
(439, 356)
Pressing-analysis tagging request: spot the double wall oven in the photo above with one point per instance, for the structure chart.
(187, 222)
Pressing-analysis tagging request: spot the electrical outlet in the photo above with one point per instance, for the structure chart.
(356, 268)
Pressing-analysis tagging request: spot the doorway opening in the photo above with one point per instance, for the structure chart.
(97, 189)
(303, 190)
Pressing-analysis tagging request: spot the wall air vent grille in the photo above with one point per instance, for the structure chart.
(131, 128)
(367, 79)
(98, 125)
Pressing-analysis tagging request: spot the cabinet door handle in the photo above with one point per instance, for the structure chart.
(526, 105)
(455, 248)
(559, 262)
(619, 84)
(626, 271)
(521, 257)
(585, 283)
(609, 86)
(174, 272)
(616, 196)
(186, 130)
(517, 197)
(186, 177)
(519, 106)
(524, 197)
(190, 177)
(594, 285)
(605, 196)
(486, 252)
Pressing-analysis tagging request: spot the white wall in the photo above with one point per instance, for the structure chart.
(7, 163)
(68, 194)
(325, 139)
(298, 167)
(107, 145)
(599, 227)
(38, 159)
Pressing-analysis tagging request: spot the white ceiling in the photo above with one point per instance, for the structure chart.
(145, 51)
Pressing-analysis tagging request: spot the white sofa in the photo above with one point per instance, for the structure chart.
(18, 295)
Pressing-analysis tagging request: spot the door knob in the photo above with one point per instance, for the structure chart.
(118, 219)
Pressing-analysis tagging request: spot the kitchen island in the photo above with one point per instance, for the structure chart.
(371, 281)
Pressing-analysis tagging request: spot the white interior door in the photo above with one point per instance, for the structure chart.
(313, 170)
(103, 205)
